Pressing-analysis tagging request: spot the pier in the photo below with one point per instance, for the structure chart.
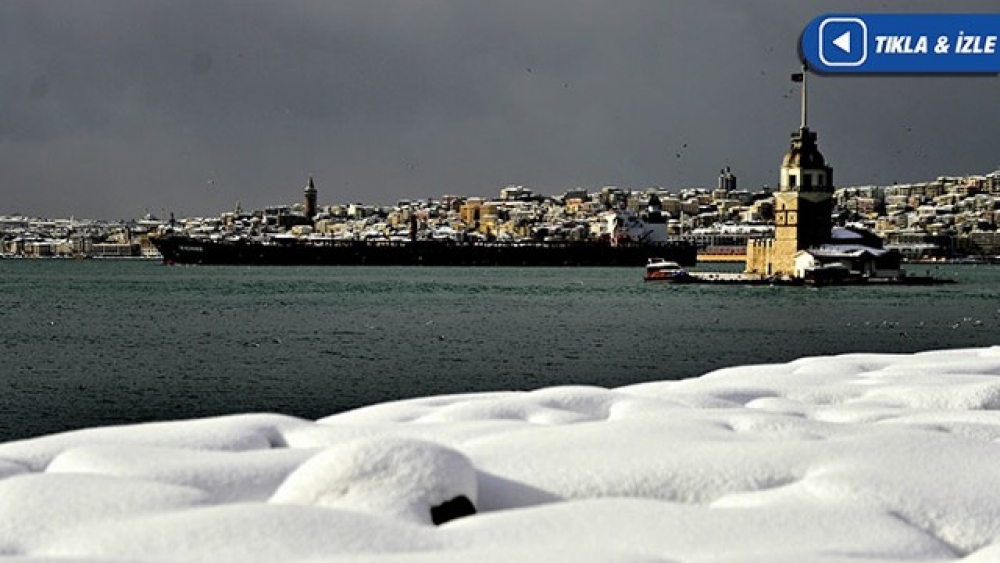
(742, 278)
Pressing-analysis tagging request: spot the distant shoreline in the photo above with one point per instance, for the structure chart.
(707, 258)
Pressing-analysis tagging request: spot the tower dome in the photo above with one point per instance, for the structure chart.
(803, 167)
(803, 153)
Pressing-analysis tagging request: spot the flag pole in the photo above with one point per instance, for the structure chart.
(804, 73)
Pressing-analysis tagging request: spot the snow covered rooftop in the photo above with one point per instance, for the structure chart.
(843, 234)
(853, 458)
(846, 251)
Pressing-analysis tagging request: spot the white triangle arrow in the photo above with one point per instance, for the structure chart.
(844, 42)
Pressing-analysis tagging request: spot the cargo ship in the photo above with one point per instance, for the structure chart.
(627, 238)
(292, 251)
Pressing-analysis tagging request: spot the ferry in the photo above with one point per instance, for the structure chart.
(659, 269)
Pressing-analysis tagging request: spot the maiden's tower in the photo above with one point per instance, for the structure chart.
(802, 205)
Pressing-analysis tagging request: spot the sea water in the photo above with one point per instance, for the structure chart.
(101, 342)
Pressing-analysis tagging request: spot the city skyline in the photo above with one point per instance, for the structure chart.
(113, 108)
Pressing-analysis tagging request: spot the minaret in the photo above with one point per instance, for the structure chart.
(310, 199)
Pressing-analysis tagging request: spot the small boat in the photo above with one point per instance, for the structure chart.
(659, 269)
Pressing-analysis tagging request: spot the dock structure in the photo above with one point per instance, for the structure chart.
(731, 278)
(734, 258)
(744, 278)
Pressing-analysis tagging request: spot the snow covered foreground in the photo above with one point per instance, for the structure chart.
(852, 458)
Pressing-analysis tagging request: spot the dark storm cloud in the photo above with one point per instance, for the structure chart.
(113, 107)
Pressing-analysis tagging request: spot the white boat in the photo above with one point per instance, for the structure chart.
(658, 269)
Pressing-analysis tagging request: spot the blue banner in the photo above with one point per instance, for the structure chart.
(903, 43)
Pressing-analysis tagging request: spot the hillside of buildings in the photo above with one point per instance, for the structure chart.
(951, 217)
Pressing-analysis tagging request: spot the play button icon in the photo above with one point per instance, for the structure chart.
(843, 42)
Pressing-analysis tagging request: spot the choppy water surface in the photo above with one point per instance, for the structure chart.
(105, 342)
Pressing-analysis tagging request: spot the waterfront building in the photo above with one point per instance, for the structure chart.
(469, 211)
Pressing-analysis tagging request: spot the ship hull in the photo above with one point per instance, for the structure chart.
(185, 250)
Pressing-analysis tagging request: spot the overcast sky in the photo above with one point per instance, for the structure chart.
(109, 108)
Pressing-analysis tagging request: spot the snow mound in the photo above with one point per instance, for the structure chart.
(396, 477)
(846, 459)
